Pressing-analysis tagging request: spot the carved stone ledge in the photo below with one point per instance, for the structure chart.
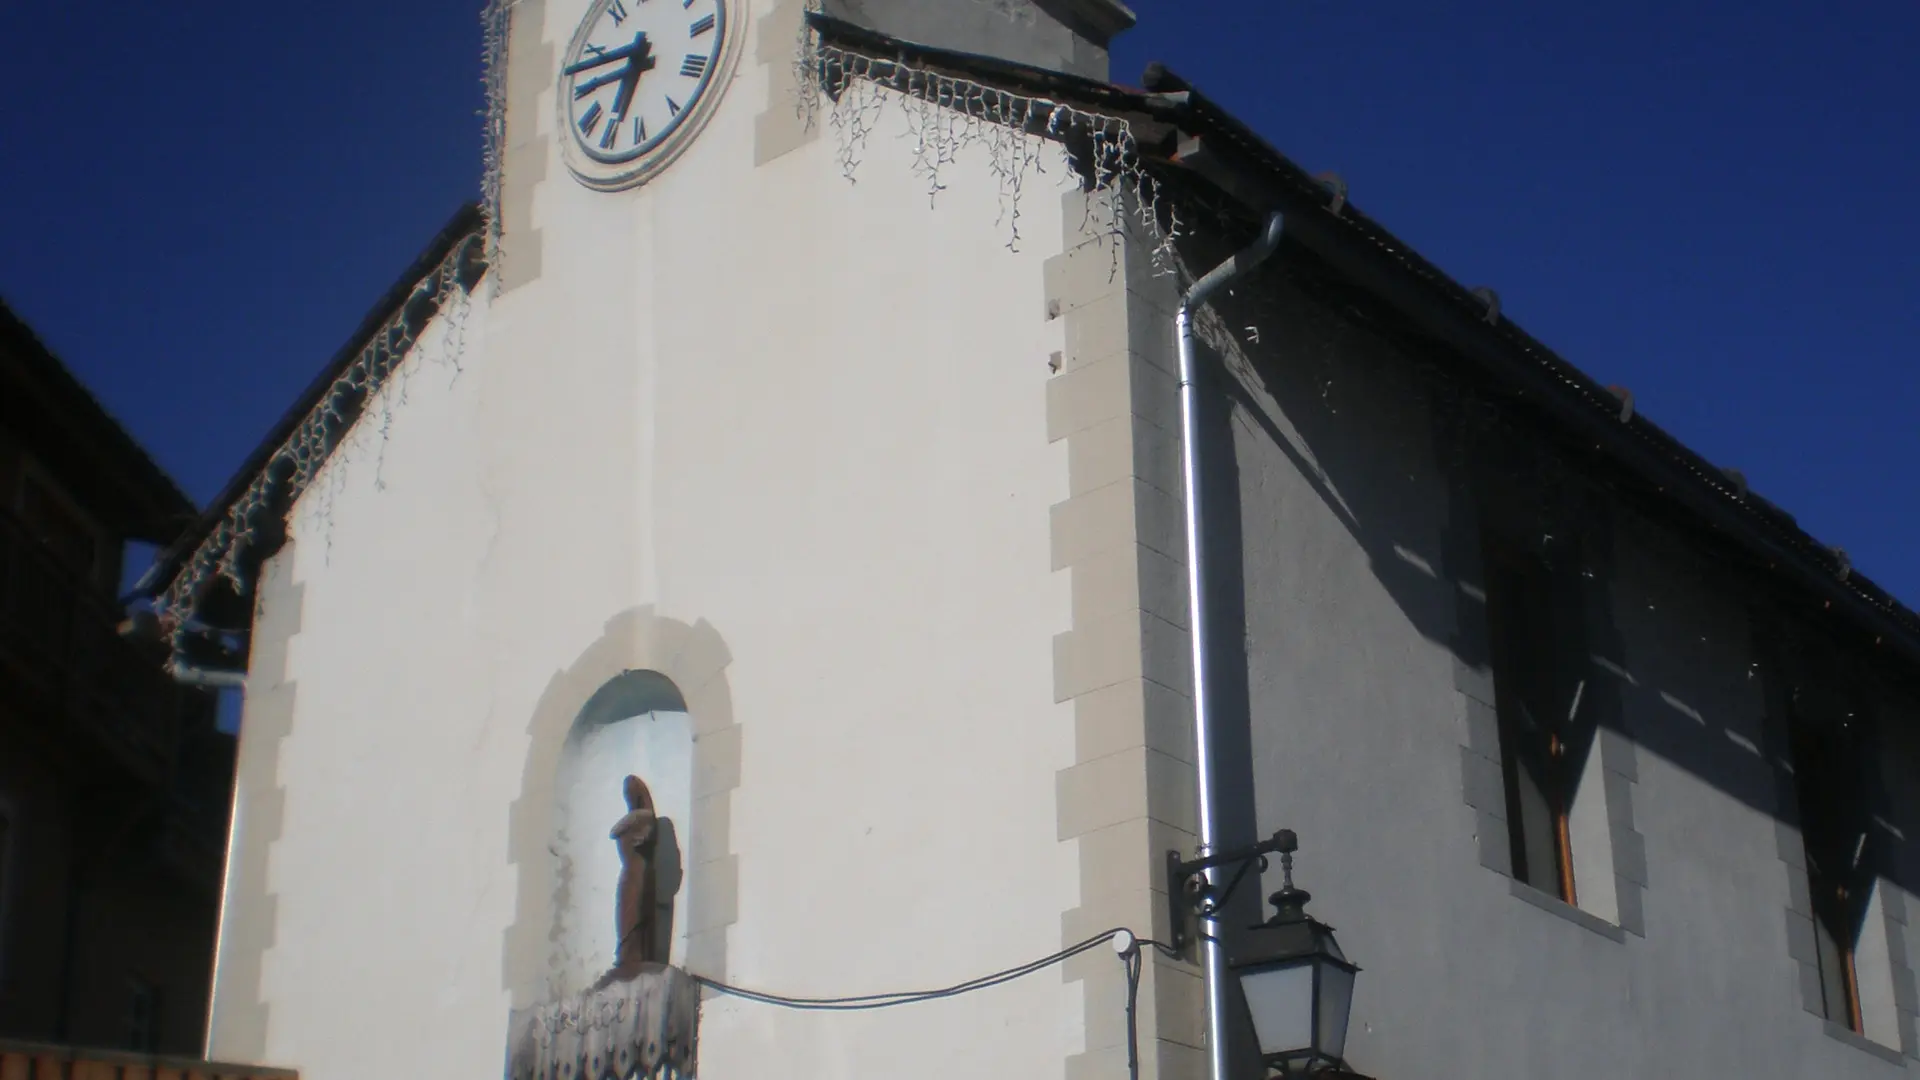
(643, 1026)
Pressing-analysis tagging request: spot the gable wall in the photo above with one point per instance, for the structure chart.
(785, 439)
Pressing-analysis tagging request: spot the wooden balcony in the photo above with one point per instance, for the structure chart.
(38, 1061)
(63, 660)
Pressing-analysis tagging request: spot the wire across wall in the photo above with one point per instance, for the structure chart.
(1129, 947)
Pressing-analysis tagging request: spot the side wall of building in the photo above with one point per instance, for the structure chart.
(1359, 652)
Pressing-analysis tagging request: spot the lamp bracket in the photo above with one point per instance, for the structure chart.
(1190, 893)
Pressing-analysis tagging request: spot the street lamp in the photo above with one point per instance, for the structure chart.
(1297, 984)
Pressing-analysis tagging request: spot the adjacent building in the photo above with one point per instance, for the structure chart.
(114, 782)
(796, 430)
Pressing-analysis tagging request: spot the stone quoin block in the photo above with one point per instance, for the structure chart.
(1133, 714)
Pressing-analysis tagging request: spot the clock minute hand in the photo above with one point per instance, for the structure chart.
(641, 63)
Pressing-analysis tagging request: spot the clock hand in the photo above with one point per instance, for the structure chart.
(641, 62)
(599, 59)
(592, 62)
(623, 100)
(597, 82)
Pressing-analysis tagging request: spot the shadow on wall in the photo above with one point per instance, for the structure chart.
(1298, 364)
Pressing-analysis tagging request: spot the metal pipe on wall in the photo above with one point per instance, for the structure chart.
(1215, 960)
(187, 675)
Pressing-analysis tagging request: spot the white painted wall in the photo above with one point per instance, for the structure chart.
(807, 411)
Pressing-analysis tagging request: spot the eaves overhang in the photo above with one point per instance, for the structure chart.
(1187, 139)
(1218, 149)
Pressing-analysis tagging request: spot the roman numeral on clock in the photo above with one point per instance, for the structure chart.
(694, 66)
(701, 25)
(619, 12)
(591, 119)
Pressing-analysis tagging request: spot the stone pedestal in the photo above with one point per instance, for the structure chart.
(643, 1026)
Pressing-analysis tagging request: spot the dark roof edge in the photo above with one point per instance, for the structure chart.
(133, 457)
(1258, 177)
(464, 223)
(1263, 179)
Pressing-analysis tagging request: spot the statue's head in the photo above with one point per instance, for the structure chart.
(638, 797)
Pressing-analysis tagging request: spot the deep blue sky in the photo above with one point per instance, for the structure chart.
(1710, 204)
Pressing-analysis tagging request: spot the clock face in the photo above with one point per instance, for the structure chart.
(638, 77)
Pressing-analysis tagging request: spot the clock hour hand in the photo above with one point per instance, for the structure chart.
(597, 82)
(639, 45)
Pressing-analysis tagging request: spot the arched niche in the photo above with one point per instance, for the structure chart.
(635, 724)
(583, 731)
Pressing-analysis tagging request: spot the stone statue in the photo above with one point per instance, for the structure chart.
(635, 902)
(641, 1019)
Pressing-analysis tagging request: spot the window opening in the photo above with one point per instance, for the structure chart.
(1536, 622)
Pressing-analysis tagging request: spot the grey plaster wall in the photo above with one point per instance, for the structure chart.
(1354, 688)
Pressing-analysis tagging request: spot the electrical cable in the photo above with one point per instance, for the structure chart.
(909, 997)
(1134, 961)
(1131, 955)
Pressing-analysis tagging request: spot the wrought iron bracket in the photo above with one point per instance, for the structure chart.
(1191, 897)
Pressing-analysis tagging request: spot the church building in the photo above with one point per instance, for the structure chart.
(868, 499)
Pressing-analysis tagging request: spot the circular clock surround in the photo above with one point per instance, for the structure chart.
(639, 80)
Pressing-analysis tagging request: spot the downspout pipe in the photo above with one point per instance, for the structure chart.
(188, 675)
(220, 913)
(1214, 954)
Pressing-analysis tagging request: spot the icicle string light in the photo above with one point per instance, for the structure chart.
(495, 21)
(299, 461)
(945, 115)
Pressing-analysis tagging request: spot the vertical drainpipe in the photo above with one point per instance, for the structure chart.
(1211, 950)
(220, 911)
(187, 675)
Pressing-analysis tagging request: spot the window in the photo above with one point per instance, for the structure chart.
(143, 1016)
(1538, 604)
(1540, 665)
(1830, 736)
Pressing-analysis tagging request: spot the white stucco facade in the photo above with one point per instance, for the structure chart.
(808, 413)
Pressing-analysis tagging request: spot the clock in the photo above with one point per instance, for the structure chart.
(639, 80)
